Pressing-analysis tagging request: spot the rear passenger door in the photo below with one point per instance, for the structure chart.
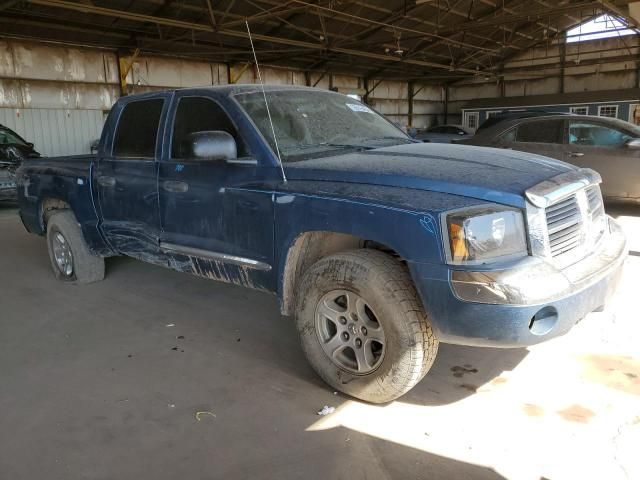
(125, 177)
(542, 137)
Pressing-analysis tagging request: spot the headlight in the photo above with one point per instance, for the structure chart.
(482, 234)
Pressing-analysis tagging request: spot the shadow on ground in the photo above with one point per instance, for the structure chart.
(617, 210)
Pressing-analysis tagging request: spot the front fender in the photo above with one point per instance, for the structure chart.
(404, 220)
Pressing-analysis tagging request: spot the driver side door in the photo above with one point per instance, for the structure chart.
(604, 148)
(213, 223)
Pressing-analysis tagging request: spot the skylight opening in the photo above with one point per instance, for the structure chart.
(604, 26)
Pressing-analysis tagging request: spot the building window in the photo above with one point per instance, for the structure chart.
(493, 113)
(604, 26)
(579, 110)
(610, 111)
(634, 113)
(471, 120)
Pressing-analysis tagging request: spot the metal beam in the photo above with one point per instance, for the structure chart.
(391, 27)
(527, 16)
(234, 33)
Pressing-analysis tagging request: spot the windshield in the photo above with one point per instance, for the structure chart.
(310, 123)
(7, 137)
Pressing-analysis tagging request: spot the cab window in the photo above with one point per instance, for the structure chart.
(7, 137)
(543, 131)
(591, 134)
(137, 129)
(201, 114)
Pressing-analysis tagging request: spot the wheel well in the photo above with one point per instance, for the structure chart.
(49, 206)
(310, 247)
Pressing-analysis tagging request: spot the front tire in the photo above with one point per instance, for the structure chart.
(362, 325)
(71, 259)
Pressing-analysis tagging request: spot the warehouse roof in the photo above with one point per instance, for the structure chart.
(409, 39)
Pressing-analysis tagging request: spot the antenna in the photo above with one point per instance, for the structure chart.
(273, 130)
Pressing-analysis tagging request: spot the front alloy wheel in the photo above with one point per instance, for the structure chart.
(362, 325)
(349, 332)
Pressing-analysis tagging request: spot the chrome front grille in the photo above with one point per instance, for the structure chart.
(575, 221)
(564, 224)
(565, 216)
(594, 197)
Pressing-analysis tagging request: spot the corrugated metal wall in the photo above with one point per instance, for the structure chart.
(56, 96)
(55, 131)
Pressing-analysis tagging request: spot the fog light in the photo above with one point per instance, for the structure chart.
(543, 321)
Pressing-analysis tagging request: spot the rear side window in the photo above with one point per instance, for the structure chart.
(137, 129)
(200, 114)
(543, 131)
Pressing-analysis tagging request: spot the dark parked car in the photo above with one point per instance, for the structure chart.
(13, 149)
(379, 247)
(501, 117)
(443, 134)
(607, 145)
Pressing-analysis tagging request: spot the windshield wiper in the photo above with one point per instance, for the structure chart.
(321, 145)
(349, 145)
(399, 139)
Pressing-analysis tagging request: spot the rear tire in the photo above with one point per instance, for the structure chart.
(362, 325)
(71, 259)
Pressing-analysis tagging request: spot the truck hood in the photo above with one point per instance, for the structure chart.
(490, 174)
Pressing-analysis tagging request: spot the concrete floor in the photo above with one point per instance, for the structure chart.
(107, 381)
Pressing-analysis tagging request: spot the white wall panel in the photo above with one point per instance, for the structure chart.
(55, 131)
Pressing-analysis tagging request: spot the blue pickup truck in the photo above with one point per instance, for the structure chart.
(379, 247)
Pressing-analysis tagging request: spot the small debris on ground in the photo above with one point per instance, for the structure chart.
(175, 349)
(180, 337)
(200, 415)
(171, 405)
(171, 325)
(326, 410)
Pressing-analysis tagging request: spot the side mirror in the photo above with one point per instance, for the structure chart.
(634, 143)
(210, 145)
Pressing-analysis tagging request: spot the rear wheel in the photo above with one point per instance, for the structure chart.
(71, 259)
(362, 326)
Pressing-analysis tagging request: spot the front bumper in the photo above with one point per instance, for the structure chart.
(527, 303)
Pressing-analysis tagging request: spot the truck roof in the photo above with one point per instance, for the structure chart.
(231, 89)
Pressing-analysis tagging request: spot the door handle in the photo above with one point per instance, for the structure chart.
(175, 187)
(576, 154)
(104, 181)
